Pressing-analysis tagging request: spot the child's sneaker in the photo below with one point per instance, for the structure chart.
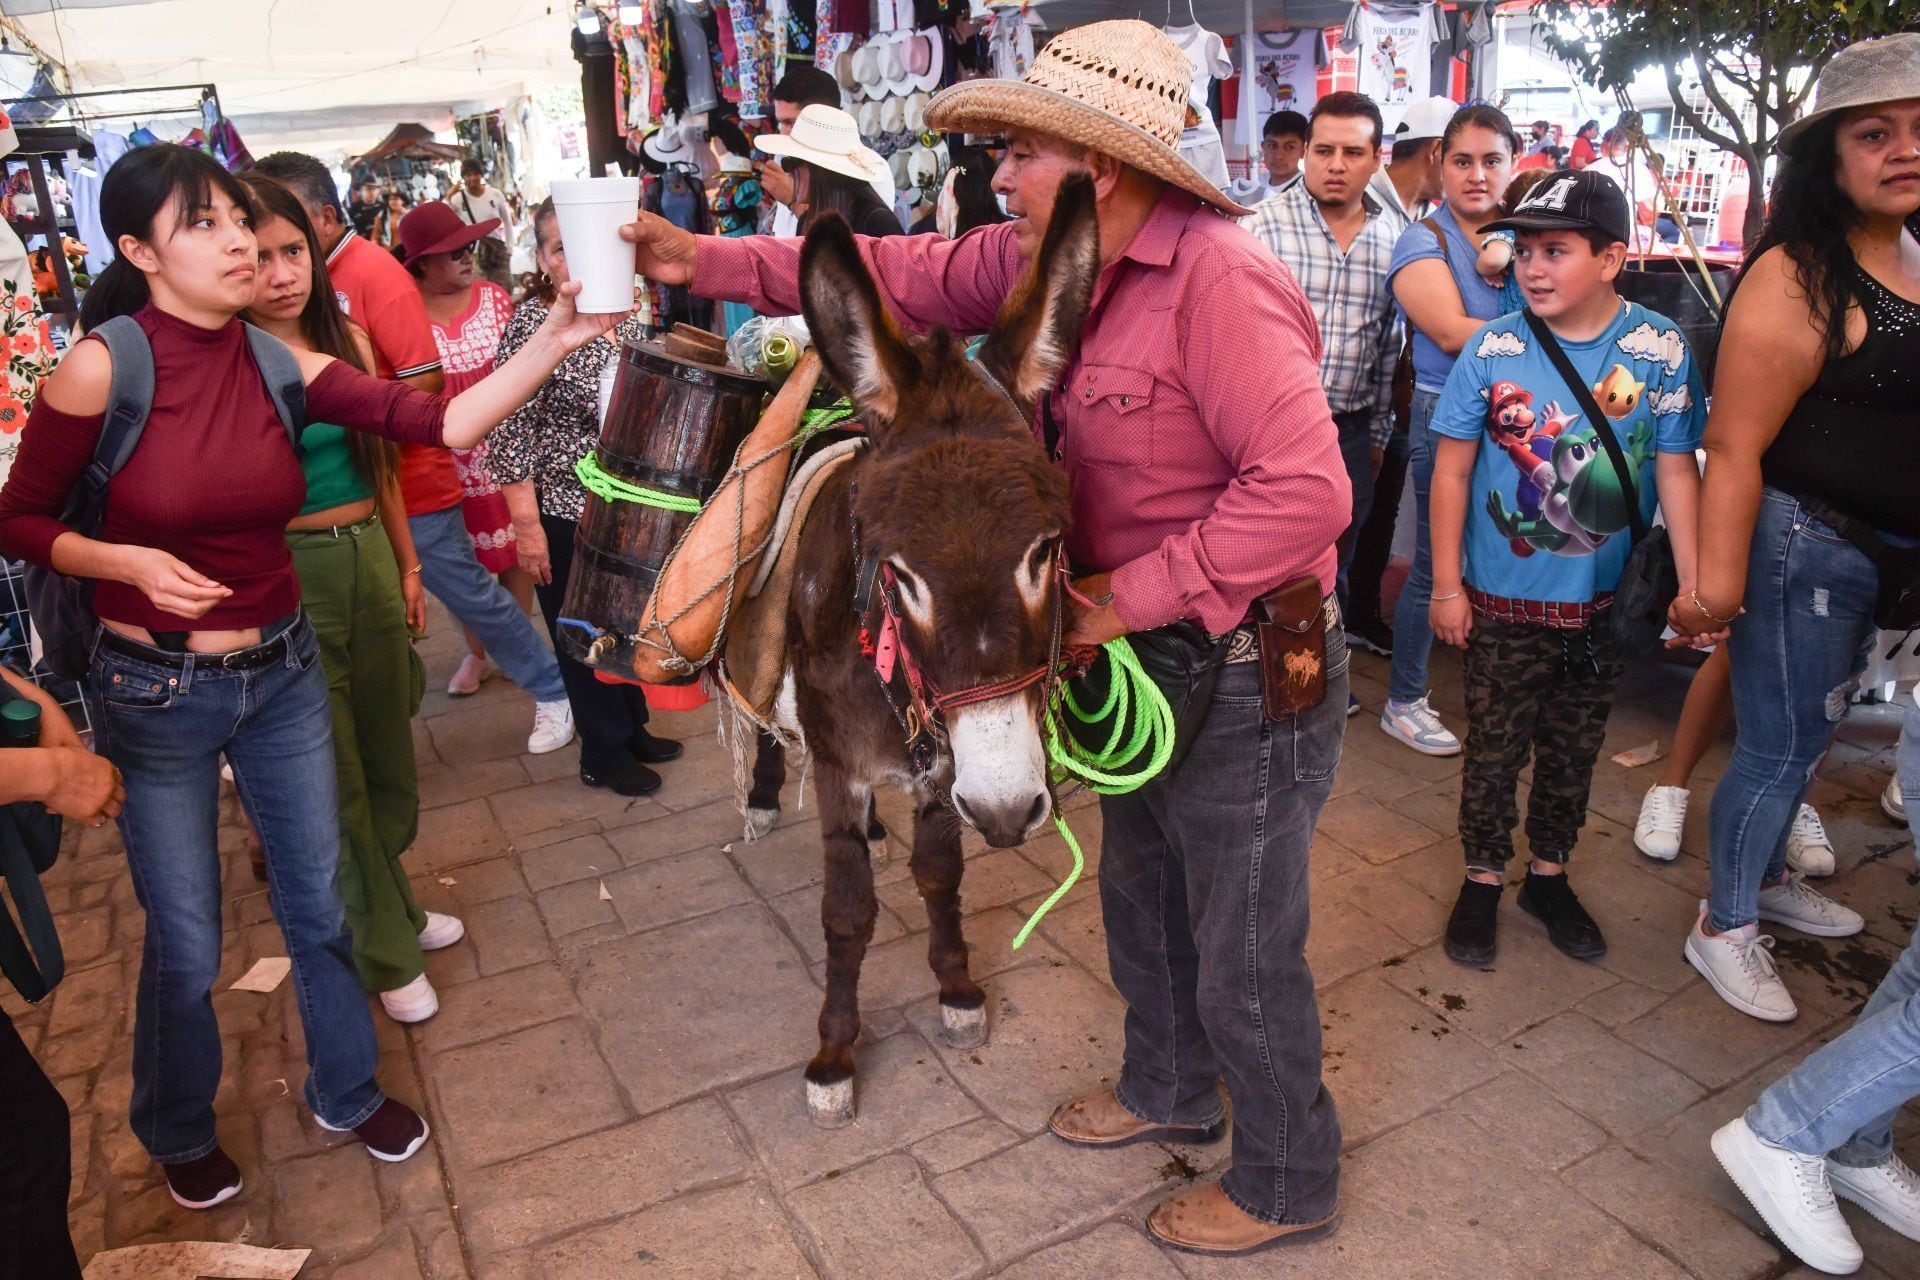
(1808, 849)
(1551, 901)
(1470, 929)
(1415, 724)
(1663, 815)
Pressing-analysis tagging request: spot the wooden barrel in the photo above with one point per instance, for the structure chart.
(672, 427)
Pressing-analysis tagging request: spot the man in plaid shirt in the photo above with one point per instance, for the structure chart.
(1337, 240)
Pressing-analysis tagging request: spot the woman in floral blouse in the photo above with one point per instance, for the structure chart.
(532, 455)
(735, 198)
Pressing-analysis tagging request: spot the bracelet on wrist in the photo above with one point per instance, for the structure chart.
(1443, 599)
(1708, 614)
(409, 573)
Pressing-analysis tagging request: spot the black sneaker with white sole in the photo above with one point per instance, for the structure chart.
(201, 1184)
(392, 1133)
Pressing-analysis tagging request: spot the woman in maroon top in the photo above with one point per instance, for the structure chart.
(203, 650)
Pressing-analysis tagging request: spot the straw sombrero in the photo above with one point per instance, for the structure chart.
(1119, 87)
(1861, 75)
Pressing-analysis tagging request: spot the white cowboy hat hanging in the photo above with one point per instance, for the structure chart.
(669, 144)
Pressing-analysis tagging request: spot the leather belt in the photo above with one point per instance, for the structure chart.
(252, 658)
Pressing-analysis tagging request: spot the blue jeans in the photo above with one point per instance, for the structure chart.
(1203, 886)
(165, 720)
(1796, 653)
(476, 598)
(1842, 1100)
(1412, 628)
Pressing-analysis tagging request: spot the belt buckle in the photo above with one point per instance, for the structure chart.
(227, 659)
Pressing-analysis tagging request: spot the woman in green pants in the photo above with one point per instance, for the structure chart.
(360, 584)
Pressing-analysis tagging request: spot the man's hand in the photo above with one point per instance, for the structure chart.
(82, 786)
(1092, 617)
(777, 182)
(662, 252)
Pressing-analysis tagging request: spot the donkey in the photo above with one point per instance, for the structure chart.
(950, 523)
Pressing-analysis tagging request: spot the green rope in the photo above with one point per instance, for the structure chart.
(814, 421)
(1133, 700)
(610, 488)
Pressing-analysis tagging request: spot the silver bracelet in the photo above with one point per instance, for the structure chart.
(1442, 599)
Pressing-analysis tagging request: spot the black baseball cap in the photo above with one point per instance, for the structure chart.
(1572, 200)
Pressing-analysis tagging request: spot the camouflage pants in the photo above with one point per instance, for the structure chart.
(1540, 692)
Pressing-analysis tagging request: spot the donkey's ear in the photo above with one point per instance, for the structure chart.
(1040, 323)
(856, 338)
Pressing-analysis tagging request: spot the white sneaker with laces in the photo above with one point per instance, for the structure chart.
(552, 726)
(1792, 1195)
(1415, 724)
(415, 1002)
(1892, 803)
(441, 931)
(1793, 904)
(1808, 849)
(1890, 1192)
(1663, 815)
(1738, 965)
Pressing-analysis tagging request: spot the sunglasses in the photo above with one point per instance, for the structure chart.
(461, 254)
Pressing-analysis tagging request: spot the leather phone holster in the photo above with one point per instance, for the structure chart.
(1293, 648)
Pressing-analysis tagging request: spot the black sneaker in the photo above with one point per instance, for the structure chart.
(648, 749)
(392, 1133)
(628, 780)
(1470, 929)
(1551, 901)
(1372, 634)
(201, 1184)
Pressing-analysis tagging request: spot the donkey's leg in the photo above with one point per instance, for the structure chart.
(847, 911)
(769, 775)
(937, 866)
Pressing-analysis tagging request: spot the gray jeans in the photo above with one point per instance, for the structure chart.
(1203, 883)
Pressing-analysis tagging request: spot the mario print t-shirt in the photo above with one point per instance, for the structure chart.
(1547, 515)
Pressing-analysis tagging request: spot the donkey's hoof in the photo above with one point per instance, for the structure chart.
(831, 1105)
(761, 821)
(963, 1028)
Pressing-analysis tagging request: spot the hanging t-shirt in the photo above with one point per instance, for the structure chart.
(1200, 141)
(1396, 53)
(1547, 516)
(695, 54)
(1286, 71)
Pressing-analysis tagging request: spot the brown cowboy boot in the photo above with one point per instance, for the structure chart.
(1098, 1120)
(1202, 1220)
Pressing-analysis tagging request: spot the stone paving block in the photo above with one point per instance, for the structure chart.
(1370, 829)
(522, 1091)
(85, 935)
(492, 725)
(990, 881)
(1699, 1235)
(707, 826)
(1388, 1059)
(559, 801)
(328, 1202)
(490, 1007)
(1713, 1042)
(566, 831)
(699, 1005)
(506, 935)
(392, 1259)
(880, 1220)
(678, 1241)
(896, 973)
(676, 888)
(902, 1094)
(487, 881)
(564, 763)
(1622, 1089)
(603, 1175)
(1392, 897)
(1541, 1130)
(469, 781)
(962, 1145)
(1366, 738)
(1328, 859)
(1344, 940)
(785, 859)
(583, 857)
(79, 1051)
(1053, 1033)
(703, 774)
(450, 966)
(575, 906)
(410, 1188)
(88, 998)
(454, 835)
(1079, 930)
(1621, 1002)
(1111, 1252)
(1045, 1189)
(1529, 982)
(801, 911)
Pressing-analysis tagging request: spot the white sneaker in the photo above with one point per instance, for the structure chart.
(552, 726)
(1808, 849)
(1892, 803)
(1415, 724)
(415, 1002)
(1792, 1195)
(1738, 965)
(1890, 1192)
(1663, 814)
(441, 931)
(468, 677)
(1792, 903)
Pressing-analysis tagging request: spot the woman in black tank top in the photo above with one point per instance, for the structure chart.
(1815, 422)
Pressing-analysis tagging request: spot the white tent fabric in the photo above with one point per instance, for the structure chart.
(339, 71)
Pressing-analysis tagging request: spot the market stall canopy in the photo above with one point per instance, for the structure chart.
(1224, 16)
(293, 70)
(409, 142)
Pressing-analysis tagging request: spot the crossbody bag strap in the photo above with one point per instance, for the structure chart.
(1583, 395)
(1433, 226)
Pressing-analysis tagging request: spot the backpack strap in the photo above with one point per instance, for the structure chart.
(34, 963)
(280, 370)
(129, 400)
(1429, 223)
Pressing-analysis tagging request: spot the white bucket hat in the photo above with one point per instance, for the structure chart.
(1861, 75)
(829, 138)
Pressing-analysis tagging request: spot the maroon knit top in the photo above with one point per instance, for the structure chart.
(213, 480)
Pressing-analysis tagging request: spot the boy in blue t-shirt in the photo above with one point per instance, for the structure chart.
(1530, 534)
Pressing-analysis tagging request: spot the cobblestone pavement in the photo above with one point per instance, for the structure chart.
(614, 1075)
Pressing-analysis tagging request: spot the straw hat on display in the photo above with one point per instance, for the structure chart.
(1861, 75)
(1118, 87)
(827, 137)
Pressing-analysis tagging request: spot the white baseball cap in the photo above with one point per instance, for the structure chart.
(1426, 118)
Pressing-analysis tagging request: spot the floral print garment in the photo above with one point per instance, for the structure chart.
(467, 343)
(25, 344)
(545, 437)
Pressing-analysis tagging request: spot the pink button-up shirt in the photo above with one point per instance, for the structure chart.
(1204, 461)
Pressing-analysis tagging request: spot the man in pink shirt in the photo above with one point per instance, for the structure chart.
(1206, 473)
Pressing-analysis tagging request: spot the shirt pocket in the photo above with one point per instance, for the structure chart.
(1113, 415)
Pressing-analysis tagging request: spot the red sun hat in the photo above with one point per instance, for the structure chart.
(435, 228)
